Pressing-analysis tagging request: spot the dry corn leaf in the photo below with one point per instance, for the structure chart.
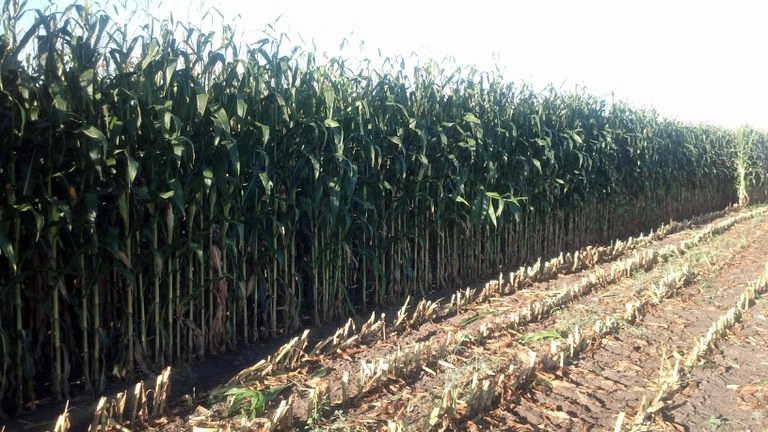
(428, 370)
(559, 414)
(623, 365)
(158, 422)
(446, 365)
(344, 355)
(753, 395)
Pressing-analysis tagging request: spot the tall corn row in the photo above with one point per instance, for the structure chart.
(169, 194)
(751, 165)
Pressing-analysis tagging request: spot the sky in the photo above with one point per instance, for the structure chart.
(697, 61)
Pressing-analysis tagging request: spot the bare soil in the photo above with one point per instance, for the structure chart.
(730, 391)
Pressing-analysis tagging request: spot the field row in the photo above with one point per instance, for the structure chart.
(508, 361)
(351, 383)
(484, 357)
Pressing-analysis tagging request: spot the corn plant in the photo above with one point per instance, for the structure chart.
(169, 192)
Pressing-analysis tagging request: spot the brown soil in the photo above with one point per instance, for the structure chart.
(730, 391)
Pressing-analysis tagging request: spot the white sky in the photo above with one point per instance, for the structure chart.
(693, 60)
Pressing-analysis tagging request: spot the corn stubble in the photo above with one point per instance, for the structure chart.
(170, 194)
(672, 378)
(483, 393)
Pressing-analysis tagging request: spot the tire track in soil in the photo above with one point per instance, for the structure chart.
(388, 400)
(614, 376)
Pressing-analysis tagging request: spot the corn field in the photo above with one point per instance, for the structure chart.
(171, 194)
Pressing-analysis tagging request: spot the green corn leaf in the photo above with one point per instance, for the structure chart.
(221, 120)
(95, 150)
(537, 164)
(539, 336)
(471, 118)
(265, 181)
(234, 157)
(31, 174)
(201, 100)
(7, 250)
(91, 208)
